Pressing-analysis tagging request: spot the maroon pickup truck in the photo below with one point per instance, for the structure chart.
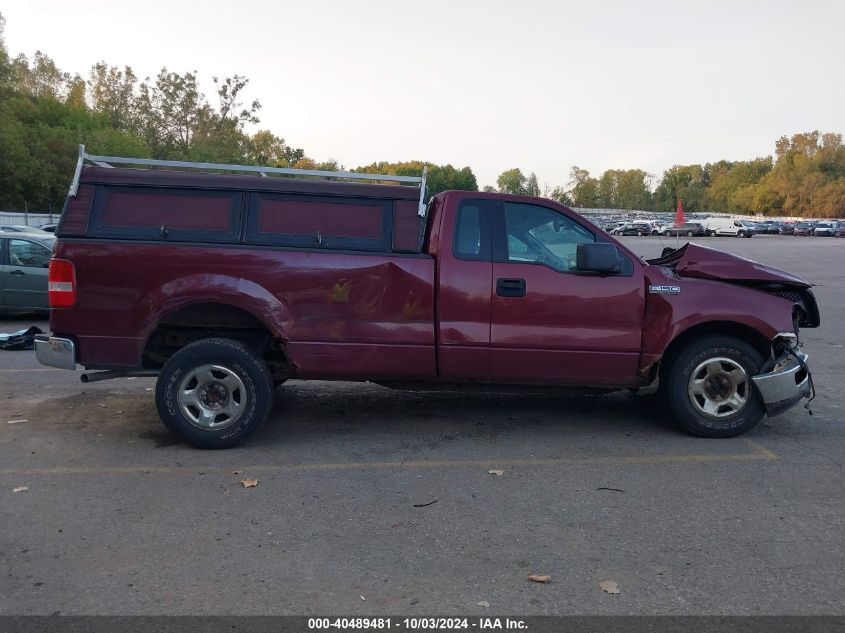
(226, 285)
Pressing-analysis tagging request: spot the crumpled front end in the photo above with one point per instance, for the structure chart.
(785, 379)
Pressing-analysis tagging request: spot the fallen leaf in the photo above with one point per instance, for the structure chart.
(498, 473)
(362, 597)
(20, 489)
(484, 604)
(536, 578)
(609, 586)
(249, 483)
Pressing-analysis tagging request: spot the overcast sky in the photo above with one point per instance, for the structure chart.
(490, 84)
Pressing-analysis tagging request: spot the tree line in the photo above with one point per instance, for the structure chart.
(45, 113)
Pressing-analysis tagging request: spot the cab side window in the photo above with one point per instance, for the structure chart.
(539, 235)
(472, 231)
(28, 254)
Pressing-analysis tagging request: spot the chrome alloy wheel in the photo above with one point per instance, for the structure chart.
(719, 387)
(212, 397)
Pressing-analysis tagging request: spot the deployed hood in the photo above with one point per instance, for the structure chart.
(693, 260)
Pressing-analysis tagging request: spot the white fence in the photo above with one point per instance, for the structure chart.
(27, 219)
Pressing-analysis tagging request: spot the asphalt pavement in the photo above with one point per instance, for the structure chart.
(371, 501)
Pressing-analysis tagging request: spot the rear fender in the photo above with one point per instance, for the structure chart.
(207, 288)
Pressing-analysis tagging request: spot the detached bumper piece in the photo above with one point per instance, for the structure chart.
(786, 384)
(55, 352)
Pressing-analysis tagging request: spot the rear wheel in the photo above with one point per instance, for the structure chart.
(667, 233)
(639, 233)
(214, 393)
(690, 233)
(740, 234)
(707, 387)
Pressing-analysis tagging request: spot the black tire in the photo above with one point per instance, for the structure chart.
(639, 233)
(241, 367)
(667, 233)
(676, 379)
(740, 234)
(690, 233)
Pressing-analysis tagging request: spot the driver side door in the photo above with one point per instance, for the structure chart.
(550, 322)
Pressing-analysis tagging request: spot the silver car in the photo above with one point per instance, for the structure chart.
(24, 260)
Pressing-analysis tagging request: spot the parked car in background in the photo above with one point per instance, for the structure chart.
(637, 227)
(787, 228)
(840, 229)
(729, 226)
(20, 228)
(690, 229)
(825, 229)
(24, 259)
(804, 228)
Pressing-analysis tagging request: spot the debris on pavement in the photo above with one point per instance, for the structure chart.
(498, 473)
(249, 483)
(611, 489)
(423, 505)
(20, 340)
(16, 421)
(484, 604)
(609, 586)
(539, 578)
(20, 489)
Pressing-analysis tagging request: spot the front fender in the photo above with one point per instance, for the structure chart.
(699, 301)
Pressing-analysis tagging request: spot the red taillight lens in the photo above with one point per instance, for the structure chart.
(61, 280)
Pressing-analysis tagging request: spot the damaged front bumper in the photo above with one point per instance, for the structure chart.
(787, 380)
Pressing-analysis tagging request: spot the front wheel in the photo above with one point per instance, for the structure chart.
(690, 233)
(214, 393)
(707, 387)
(639, 233)
(667, 233)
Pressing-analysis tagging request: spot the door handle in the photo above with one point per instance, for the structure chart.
(17, 272)
(506, 287)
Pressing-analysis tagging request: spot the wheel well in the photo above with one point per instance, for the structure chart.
(723, 328)
(203, 320)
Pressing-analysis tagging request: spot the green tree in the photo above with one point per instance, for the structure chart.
(532, 188)
(512, 181)
(112, 93)
(440, 177)
(583, 188)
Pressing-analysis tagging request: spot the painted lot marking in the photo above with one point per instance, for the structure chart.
(758, 453)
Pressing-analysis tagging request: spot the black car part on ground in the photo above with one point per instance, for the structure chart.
(20, 340)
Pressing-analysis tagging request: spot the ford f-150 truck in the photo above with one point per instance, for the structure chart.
(224, 285)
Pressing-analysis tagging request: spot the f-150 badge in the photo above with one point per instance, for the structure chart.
(664, 290)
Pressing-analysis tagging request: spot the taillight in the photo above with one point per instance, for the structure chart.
(61, 284)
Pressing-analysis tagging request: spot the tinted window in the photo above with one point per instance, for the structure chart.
(28, 254)
(320, 221)
(540, 235)
(472, 230)
(163, 213)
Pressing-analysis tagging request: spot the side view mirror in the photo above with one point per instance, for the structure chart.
(598, 257)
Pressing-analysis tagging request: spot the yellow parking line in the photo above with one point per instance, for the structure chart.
(758, 453)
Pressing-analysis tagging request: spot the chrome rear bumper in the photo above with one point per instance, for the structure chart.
(55, 351)
(786, 384)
